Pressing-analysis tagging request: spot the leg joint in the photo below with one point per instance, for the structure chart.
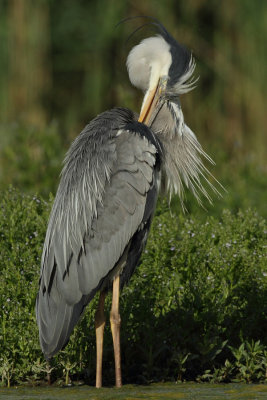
(115, 318)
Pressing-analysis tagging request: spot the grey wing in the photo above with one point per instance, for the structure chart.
(94, 217)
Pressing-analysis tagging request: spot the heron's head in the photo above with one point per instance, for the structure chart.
(163, 69)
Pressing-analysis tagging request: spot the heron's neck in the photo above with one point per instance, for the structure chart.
(179, 148)
(169, 121)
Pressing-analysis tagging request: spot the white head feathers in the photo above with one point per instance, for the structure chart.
(147, 61)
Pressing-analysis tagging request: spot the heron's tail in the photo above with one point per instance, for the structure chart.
(56, 320)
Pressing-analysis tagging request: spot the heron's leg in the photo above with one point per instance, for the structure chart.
(115, 323)
(100, 321)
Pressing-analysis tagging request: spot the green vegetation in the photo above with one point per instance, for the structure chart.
(33, 158)
(195, 308)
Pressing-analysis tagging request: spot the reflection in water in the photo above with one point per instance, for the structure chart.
(167, 391)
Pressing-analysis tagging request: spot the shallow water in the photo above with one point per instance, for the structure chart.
(167, 391)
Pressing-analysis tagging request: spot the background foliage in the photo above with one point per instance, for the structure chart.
(61, 63)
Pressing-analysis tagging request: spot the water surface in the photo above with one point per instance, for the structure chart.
(167, 391)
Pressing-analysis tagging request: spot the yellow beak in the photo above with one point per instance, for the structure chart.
(150, 101)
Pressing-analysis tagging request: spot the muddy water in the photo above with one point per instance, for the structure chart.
(167, 391)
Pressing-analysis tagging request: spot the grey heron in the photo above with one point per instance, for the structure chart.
(108, 191)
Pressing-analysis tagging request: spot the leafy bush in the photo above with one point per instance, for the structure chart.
(199, 294)
(22, 230)
(207, 287)
(30, 157)
(251, 361)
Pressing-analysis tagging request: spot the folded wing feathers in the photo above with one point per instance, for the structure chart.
(94, 216)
